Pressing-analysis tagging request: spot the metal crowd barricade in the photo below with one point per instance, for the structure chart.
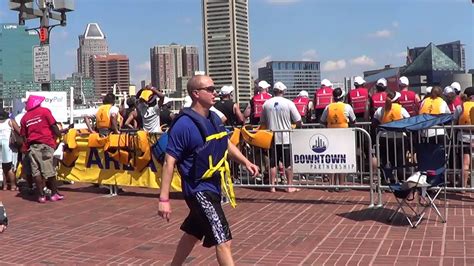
(458, 141)
(361, 178)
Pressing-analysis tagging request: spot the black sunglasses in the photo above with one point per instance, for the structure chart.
(210, 89)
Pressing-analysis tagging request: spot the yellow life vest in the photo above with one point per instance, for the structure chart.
(262, 138)
(71, 151)
(395, 113)
(336, 117)
(465, 118)
(103, 118)
(117, 147)
(431, 106)
(143, 146)
(235, 137)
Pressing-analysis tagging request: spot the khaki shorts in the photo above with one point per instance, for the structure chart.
(40, 157)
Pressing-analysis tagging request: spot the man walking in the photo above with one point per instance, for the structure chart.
(202, 163)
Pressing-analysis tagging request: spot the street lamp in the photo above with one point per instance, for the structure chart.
(46, 9)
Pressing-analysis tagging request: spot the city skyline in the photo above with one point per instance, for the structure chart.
(346, 37)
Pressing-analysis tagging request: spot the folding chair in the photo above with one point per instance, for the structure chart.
(431, 163)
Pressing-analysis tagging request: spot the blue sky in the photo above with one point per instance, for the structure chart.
(346, 36)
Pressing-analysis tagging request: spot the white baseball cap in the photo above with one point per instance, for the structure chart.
(279, 86)
(359, 80)
(326, 83)
(382, 82)
(404, 80)
(303, 93)
(447, 90)
(263, 84)
(226, 90)
(456, 86)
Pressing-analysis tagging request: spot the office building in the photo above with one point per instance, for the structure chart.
(92, 42)
(454, 50)
(109, 70)
(227, 47)
(83, 87)
(170, 62)
(16, 60)
(296, 75)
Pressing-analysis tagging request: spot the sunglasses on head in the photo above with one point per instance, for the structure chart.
(210, 89)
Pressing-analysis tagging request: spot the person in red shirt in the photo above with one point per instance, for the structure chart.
(39, 129)
(408, 99)
(322, 98)
(304, 105)
(359, 99)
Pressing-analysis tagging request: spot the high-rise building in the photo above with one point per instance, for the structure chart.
(109, 70)
(296, 75)
(190, 60)
(226, 45)
(92, 42)
(16, 59)
(454, 50)
(170, 62)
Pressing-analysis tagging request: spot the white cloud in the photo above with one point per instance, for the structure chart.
(401, 54)
(309, 55)
(282, 2)
(395, 24)
(260, 63)
(145, 66)
(363, 60)
(334, 65)
(381, 34)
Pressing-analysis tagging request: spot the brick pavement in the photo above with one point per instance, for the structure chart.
(311, 227)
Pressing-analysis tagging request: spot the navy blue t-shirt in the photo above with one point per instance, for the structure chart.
(184, 139)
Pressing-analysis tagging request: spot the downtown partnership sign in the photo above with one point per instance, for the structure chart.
(41, 66)
(328, 150)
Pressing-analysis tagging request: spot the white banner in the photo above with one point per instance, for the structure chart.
(328, 150)
(56, 101)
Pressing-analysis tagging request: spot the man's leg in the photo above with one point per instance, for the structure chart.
(273, 173)
(185, 246)
(224, 254)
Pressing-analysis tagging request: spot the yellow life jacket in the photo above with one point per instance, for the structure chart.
(395, 113)
(431, 106)
(235, 137)
(143, 146)
(103, 118)
(96, 141)
(467, 112)
(336, 117)
(261, 138)
(117, 147)
(71, 151)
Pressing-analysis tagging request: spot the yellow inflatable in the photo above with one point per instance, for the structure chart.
(93, 165)
(261, 138)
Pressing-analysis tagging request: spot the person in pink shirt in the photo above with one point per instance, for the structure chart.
(39, 129)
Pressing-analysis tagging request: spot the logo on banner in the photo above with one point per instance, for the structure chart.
(319, 143)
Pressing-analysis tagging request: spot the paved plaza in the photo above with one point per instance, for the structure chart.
(311, 227)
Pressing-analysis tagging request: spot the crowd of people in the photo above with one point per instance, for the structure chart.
(201, 159)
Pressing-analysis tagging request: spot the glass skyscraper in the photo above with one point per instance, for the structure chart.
(16, 60)
(296, 75)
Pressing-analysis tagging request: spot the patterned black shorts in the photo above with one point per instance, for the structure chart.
(206, 219)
